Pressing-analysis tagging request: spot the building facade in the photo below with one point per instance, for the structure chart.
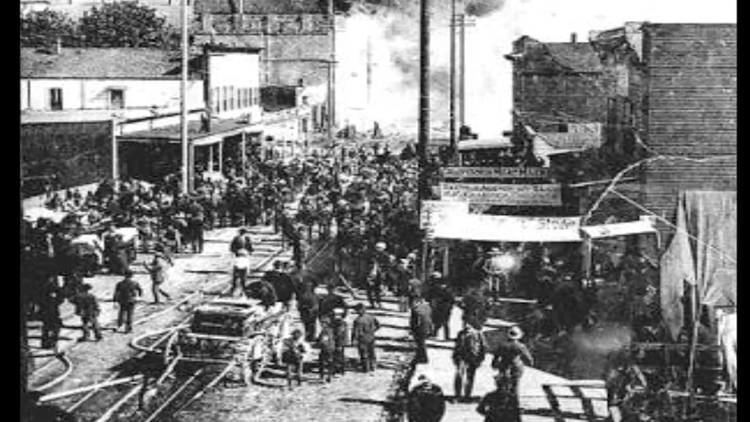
(664, 90)
(295, 38)
(690, 110)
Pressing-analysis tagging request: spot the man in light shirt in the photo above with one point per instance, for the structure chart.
(241, 266)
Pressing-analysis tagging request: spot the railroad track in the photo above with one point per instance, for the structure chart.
(179, 389)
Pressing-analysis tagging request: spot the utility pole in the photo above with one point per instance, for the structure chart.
(452, 86)
(424, 117)
(462, 66)
(332, 73)
(183, 101)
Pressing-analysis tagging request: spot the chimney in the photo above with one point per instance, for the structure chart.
(573, 37)
(58, 46)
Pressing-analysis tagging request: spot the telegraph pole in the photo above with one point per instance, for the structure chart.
(452, 85)
(183, 101)
(462, 65)
(424, 97)
(332, 73)
(424, 117)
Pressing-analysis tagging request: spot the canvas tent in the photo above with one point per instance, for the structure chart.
(703, 253)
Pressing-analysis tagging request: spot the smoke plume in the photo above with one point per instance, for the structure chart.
(389, 31)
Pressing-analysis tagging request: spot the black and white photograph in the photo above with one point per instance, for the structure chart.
(378, 210)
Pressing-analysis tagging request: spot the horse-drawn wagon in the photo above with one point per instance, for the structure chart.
(230, 331)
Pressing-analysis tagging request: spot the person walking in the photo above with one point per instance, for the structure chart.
(511, 357)
(308, 307)
(468, 355)
(240, 268)
(421, 327)
(363, 336)
(158, 271)
(500, 405)
(375, 275)
(401, 280)
(293, 351)
(327, 347)
(87, 308)
(425, 402)
(341, 339)
(441, 299)
(126, 293)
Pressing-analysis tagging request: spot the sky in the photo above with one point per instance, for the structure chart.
(394, 87)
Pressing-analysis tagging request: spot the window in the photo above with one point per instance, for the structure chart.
(225, 98)
(246, 92)
(55, 99)
(116, 98)
(215, 101)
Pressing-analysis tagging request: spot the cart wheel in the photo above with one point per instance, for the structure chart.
(171, 351)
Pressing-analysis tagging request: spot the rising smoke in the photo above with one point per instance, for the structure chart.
(391, 29)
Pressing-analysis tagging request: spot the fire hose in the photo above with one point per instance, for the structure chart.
(68, 369)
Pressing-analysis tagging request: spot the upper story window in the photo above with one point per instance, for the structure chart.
(216, 100)
(55, 99)
(116, 98)
(225, 99)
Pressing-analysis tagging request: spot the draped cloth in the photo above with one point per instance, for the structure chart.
(703, 252)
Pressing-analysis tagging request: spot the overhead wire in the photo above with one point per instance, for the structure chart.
(670, 224)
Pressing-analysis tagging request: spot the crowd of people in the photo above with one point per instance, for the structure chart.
(104, 230)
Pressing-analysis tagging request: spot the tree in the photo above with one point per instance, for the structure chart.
(124, 24)
(43, 28)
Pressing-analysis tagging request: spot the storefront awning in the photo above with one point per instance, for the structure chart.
(502, 228)
(618, 229)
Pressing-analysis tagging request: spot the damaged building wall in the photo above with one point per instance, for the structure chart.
(295, 46)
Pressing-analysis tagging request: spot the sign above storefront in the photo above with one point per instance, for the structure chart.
(503, 194)
(502, 228)
(435, 213)
(495, 172)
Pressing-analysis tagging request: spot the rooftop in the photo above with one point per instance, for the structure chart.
(171, 134)
(104, 63)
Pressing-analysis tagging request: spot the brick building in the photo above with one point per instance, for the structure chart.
(690, 110)
(671, 87)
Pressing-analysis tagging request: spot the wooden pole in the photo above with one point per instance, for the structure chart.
(221, 156)
(695, 317)
(452, 84)
(115, 155)
(243, 158)
(462, 69)
(183, 100)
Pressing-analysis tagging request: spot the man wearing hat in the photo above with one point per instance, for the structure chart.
(500, 405)
(126, 293)
(402, 275)
(87, 308)
(421, 327)
(374, 281)
(363, 336)
(441, 299)
(426, 402)
(158, 271)
(511, 357)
